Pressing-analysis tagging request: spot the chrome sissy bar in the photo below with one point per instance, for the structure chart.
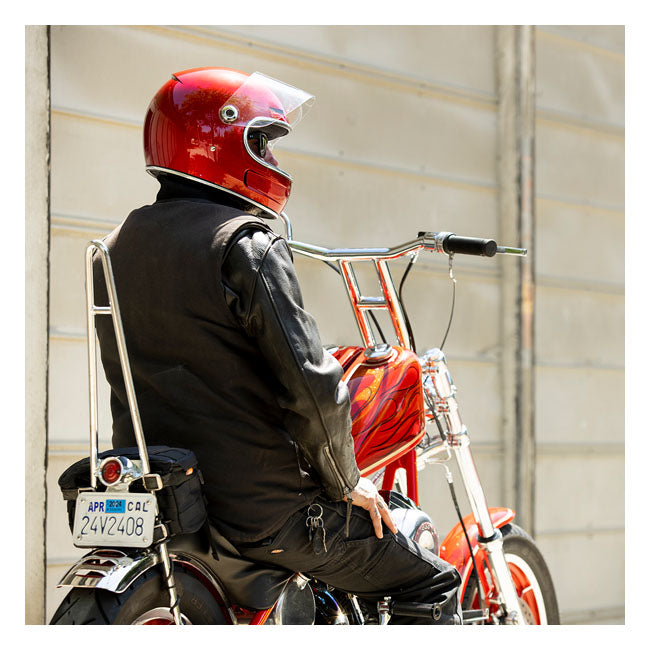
(152, 482)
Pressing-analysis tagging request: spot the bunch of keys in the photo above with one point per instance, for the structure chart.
(314, 523)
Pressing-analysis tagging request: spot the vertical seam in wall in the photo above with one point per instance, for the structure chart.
(48, 144)
(533, 163)
(508, 200)
(525, 401)
(519, 352)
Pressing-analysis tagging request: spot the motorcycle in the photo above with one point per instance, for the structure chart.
(156, 560)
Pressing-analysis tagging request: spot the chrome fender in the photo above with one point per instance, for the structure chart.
(109, 569)
(116, 571)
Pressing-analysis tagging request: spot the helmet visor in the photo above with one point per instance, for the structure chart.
(262, 96)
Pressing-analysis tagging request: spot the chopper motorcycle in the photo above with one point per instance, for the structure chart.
(154, 559)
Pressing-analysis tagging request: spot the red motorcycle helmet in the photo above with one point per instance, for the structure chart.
(216, 126)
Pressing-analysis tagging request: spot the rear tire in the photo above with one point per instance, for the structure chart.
(531, 577)
(145, 602)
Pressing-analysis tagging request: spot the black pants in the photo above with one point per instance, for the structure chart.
(361, 563)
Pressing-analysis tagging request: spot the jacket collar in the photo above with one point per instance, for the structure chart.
(175, 188)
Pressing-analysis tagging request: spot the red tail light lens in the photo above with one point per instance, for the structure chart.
(111, 471)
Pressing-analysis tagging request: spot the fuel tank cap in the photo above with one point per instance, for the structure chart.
(378, 353)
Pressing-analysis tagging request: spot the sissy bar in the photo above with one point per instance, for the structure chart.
(152, 482)
(113, 310)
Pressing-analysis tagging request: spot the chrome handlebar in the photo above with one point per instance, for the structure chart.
(438, 242)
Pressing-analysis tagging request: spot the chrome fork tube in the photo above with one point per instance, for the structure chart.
(474, 490)
(492, 540)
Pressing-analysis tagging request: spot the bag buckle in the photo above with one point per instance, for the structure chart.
(152, 482)
(160, 533)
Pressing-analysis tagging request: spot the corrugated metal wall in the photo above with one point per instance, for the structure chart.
(402, 138)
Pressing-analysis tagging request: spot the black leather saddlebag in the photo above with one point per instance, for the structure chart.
(181, 501)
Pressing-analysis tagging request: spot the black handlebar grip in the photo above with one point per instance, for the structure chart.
(469, 246)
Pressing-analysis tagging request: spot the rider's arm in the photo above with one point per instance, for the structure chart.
(262, 292)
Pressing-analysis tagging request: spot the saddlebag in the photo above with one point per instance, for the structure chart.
(181, 501)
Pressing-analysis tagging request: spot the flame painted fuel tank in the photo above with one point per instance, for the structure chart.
(387, 406)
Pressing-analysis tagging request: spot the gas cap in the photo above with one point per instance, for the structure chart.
(378, 353)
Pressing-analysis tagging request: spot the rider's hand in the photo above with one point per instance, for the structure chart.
(365, 496)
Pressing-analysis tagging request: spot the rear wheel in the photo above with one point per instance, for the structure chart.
(531, 578)
(145, 602)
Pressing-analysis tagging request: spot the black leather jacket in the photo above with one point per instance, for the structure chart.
(225, 359)
(262, 292)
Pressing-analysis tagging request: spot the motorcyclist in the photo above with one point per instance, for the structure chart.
(225, 359)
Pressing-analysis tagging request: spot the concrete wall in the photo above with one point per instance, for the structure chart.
(37, 229)
(403, 137)
(580, 315)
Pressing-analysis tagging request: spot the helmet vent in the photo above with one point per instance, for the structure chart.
(229, 113)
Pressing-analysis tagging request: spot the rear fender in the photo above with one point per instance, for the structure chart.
(115, 571)
(109, 569)
(454, 547)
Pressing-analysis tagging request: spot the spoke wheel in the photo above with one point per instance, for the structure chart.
(530, 576)
(528, 590)
(145, 602)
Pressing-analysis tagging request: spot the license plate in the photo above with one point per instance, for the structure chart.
(114, 520)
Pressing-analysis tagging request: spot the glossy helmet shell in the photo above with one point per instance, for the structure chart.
(197, 124)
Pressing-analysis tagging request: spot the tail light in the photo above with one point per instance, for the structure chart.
(110, 471)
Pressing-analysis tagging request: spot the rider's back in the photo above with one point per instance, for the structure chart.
(200, 380)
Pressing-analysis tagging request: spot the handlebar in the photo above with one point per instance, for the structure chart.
(452, 243)
(363, 306)
(439, 242)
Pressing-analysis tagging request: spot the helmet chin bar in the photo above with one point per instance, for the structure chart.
(268, 213)
(270, 126)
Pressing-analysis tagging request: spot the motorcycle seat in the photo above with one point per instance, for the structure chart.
(247, 583)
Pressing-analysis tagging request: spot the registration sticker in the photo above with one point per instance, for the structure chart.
(116, 505)
(109, 520)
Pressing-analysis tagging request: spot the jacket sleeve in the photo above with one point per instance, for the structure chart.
(263, 294)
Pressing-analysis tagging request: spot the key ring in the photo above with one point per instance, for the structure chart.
(319, 515)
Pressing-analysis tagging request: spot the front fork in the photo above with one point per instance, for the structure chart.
(440, 396)
(490, 538)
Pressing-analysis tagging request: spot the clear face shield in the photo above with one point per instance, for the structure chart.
(268, 109)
